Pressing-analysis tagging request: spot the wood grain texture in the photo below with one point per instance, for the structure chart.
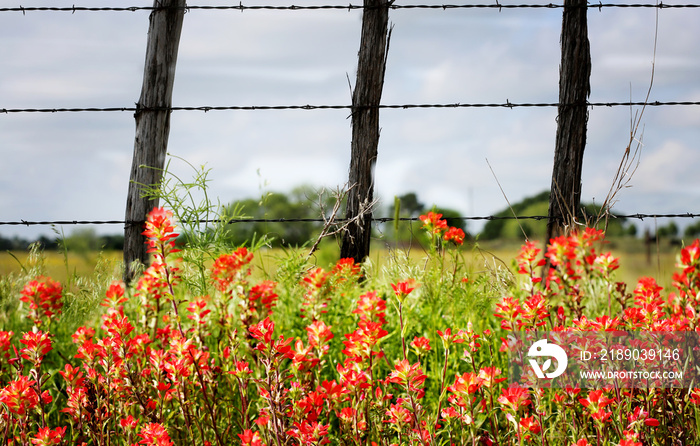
(152, 127)
(365, 128)
(572, 120)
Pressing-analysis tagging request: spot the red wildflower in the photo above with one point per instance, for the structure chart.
(509, 309)
(605, 323)
(349, 415)
(469, 337)
(398, 414)
(152, 283)
(534, 309)
(19, 395)
(250, 438)
(114, 295)
(360, 343)
(466, 384)
(228, 269)
(528, 259)
(309, 433)
(488, 375)
(514, 398)
(263, 331)
(695, 396)
(371, 308)
(410, 376)
(72, 375)
(454, 235)
(48, 437)
(421, 345)
(689, 258)
(319, 335)
(317, 290)
(595, 403)
(262, 297)
(116, 324)
(352, 379)
(154, 434)
(197, 311)
(242, 369)
(5, 342)
(333, 391)
(530, 424)
(449, 338)
(404, 288)
(160, 232)
(346, 269)
(606, 263)
(433, 222)
(38, 344)
(129, 422)
(639, 415)
(44, 298)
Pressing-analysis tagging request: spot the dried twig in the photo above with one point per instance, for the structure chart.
(630, 158)
(331, 221)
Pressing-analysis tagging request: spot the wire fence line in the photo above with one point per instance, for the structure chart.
(207, 108)
(638, 216)
(349, 7)
(138, 108)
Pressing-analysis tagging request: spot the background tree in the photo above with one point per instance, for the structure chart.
(617, 226)
(302, 203)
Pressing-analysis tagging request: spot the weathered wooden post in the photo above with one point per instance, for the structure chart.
(366, 98)
(152, 126)
(574, 89)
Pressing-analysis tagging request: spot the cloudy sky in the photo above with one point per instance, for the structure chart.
(76, 165)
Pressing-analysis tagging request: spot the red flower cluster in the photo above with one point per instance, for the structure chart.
(437, 227)
(226, 373)
(230, 269)
(44, 298)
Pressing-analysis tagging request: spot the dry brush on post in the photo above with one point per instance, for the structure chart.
(366, 97)
(152, 123)
(572, 119)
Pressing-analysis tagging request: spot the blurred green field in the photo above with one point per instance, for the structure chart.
(58, 266)
(636, 259)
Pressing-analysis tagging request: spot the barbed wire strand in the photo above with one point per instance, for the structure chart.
(350, 7)
(638, 216)
(207, 108)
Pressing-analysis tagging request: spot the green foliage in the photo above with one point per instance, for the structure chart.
(693, 230)
(303, 202)
(668, 231)
(203, 221)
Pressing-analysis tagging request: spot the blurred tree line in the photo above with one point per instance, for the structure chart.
(304, 205)
(537, 205)
(80, 240)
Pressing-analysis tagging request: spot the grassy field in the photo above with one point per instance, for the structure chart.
(636, 259)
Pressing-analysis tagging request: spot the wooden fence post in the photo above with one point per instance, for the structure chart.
(365, 128)
(152, 126)
(574, 89)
